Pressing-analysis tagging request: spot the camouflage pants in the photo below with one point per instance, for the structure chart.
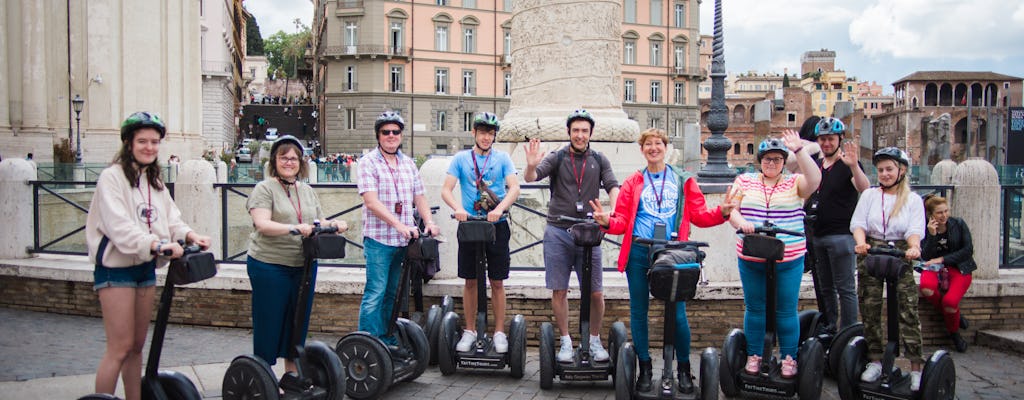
(870, 291)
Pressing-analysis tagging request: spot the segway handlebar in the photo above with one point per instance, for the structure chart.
(318, 229)
(887, 251)
(479, 217)
(771, 230)
(588, 220)
(671, 243)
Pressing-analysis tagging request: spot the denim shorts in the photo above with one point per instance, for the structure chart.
(137, 276)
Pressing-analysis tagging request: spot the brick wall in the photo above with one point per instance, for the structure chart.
(334, 313)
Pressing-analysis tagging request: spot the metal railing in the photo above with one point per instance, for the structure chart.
(1012, 249)
(368, 50)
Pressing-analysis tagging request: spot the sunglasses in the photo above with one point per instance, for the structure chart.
(395, 132)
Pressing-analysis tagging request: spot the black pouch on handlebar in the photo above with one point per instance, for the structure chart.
(192, 268)
(324, 245)
(476, 232)
(423, 248)
(884, 266)
(587, 234)
(763, 246)
(674, 275)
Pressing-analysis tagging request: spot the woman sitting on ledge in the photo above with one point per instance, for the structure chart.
(948, 244)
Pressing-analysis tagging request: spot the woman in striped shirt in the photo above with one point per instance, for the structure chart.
(776, 197)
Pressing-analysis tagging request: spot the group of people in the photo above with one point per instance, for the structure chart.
(337, 167)
(131, 232)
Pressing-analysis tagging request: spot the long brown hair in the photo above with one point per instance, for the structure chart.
(126, 160)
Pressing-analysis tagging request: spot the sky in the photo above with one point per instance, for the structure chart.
(874, 40)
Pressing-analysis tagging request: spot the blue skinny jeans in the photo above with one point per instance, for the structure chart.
(639, 304)
(787, 325)
(383, 269)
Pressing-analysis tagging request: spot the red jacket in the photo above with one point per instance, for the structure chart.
(695, 210)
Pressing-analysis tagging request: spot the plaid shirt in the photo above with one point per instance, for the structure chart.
(392, 186)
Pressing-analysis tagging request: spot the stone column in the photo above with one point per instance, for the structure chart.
(942, 172)
(16, 207)
(34, 51)
(976, 199)
(199, 201)
(433, 173)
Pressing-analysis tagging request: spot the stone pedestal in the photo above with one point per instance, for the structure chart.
(313, 178)
(976, 200)
(220, 169)
(199, 201)
(720, 264)
(16, 207)
(942, 172)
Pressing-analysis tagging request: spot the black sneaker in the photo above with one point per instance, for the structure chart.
(963, 322)
(958, 342)
(643, 379)
(684, 378)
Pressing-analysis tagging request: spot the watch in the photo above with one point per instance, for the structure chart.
(294, 230)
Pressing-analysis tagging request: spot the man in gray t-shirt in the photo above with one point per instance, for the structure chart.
(577, 175)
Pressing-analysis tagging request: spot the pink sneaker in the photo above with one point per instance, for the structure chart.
(753, 365)
(788, 367)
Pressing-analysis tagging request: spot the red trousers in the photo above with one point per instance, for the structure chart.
(950, 299)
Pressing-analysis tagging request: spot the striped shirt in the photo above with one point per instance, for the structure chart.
(393, 185)
(780, 203)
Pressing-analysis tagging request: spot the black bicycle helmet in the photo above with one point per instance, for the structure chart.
(772, 144)
(285, 139)
(891, 153)
(142, 119)
(829, 126)
(579, 114)
(388, 117)
(488, 120)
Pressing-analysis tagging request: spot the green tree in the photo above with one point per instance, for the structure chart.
(284, 50)
(253, 38)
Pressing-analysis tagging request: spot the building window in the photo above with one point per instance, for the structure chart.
(824, 96)
(680, 15)
(396, 38)
(397, 83)
(821, 108)
(350, 118)
(350, 78)
(655, 122)
(629, 52)
(468, 43)
(839, 96)
(629, 92)
(441, 37)
(677, 128)
(655, 52)
(679, 53)
(791, 117)
(442, 2)
(629, 12)
(468, 84)
(442, 121)
(469, 3)
(736, 148)
(508, 42)
(467, 121)
(508, 84)
(441, 80)
(679, 93)
(655, 12)
(351, 36)
(750, 148)
(508, 5)
(655, 91)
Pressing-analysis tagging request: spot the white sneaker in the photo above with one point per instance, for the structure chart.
(872, 372)
(915, 380)
(565, 352)
(500, 342)
(596, 350)
(467, 341)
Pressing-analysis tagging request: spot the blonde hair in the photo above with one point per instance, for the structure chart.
(902, 189)
(653, 132)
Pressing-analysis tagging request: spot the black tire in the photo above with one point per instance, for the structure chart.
(433, 331)
(835, 349)
(938, 381)
(709, 371)
(446, 356)
(447, 305)
(616, 338)
(734, 357)
(99, 396)
(547, 355)
(322, 365)
(811, 370)
(517, 349)
(369, 371)
(418, 346)
(625, 373)
(852, 361)
(177, 386)
(249, 377)
(809, 321)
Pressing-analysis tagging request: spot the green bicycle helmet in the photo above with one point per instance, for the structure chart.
(142, 119)
(488, 120)
(579, 114)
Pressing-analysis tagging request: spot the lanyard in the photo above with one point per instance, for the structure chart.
(298, 208)
(824, 172)
(394, 180)
(885, 221)
(661, 193)
(149, 205)
(579, 177)
(480, 175)
(767, 196)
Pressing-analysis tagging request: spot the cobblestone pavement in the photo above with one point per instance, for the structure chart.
(44, 356)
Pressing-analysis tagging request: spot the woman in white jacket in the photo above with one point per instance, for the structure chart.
(132, 223)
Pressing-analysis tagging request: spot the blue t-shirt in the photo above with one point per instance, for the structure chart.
(649, 211)
(494, 168)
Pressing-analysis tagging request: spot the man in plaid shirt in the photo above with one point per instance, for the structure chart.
(390, 185)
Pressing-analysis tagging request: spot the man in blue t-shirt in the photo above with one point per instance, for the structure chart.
(488, 184)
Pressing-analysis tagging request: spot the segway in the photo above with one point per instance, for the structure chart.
(769, 381)
(371, 365)
(587, 235)
(319, 373)
(477, 231)
(432, 324)
(675, 271)
(193, 266)
(938, 379)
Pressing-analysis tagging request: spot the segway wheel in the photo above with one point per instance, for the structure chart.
(852, 361)
(517, 351)
(368, 367)
(625, 373)
(709, 371)
(809, 321)
(547, 355)
(938, 381)
(447, 305)
(249, 377)
(616, 338)
(449, 337)
(324, 367)
(99, 396)
(177, 386)
(433, 330)
(419, 346)
(810, 371)
(835, 349)
(734, 357)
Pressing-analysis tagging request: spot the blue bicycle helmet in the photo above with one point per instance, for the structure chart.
(142, 119)
(579, 114)
(772, 144)
(829, 126)
(388, 117)
(488, 120)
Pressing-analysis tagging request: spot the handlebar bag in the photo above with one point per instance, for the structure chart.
(674, 275)
(884, 266)
(423, 248)
(192, 268)
(324, 245)
(476, 232)
(587, 234)
(763, 246)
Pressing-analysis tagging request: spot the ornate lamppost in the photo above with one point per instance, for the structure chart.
(78, 103)
(717, 170)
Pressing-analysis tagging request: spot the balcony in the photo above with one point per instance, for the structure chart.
(348, 8)
(469, 91)
(397, 87)
(368, 50)
(506, 60)
(689, 72)
(350, 86)
(219, 68)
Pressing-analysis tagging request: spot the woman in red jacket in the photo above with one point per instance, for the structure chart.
(657, 195)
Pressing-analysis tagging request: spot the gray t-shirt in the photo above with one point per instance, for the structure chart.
(270, 195)
(579, 179)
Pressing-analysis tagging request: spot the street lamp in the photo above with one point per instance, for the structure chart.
(78, 102)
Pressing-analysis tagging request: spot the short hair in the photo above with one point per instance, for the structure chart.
(932, 201)
(282, 149)
(807, 129)
(655, 133)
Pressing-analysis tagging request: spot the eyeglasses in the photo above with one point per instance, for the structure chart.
(773, 160)
(395, 132)
(288, 160)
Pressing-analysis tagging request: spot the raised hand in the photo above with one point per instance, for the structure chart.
(600, 215)
(792, 140)
(731, 201)
(533, 153)
(850, 154)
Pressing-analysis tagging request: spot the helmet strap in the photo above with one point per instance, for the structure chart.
(894, 184)
(390, 153)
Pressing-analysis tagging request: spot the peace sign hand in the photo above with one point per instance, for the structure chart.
(602, 217)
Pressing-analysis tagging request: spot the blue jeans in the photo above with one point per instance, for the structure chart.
(639, 303)
(275, 289)
(383, 269)
(787, 325)
(835, 267)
